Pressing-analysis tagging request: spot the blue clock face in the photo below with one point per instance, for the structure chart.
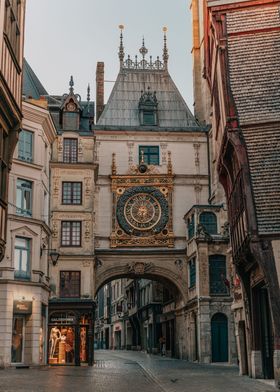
(142, 211)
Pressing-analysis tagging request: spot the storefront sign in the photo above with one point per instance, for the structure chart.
(62, 320)
(23, 307)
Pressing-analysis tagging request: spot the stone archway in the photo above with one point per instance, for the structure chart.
(168, 267)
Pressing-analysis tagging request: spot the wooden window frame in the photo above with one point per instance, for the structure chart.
(70, 245)
(70, 156)
(72, 184)
(62, 292)
(147, 154)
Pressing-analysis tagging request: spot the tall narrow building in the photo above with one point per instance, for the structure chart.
(11, 62)
(236, 44)
(73, 176)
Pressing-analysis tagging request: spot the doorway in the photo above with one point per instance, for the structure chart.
(219, 337)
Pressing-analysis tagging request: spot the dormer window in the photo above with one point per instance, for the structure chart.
(148, 108)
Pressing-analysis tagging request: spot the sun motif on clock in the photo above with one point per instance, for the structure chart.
(142, 211)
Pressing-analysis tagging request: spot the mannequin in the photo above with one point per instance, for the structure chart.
(55, 336)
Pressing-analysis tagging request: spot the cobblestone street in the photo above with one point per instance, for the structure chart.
(131, 371)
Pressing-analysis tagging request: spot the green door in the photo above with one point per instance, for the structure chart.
(219, 335)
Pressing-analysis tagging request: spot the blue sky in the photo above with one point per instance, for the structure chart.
(68, 37)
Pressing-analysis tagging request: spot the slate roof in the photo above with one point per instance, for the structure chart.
(254, 71)
(32, 87)
(121, 109)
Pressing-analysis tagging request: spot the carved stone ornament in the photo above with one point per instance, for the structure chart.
(87, 230)
(139, 268)
(54, 229)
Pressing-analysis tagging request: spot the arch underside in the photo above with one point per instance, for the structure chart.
(172, 278)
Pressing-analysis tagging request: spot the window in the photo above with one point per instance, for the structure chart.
(24, 197)
(70, 283)
(25, 146)
(191, 227)
(22, 258)
(70, 233)
(70, 150)
(192, 273)
(71, 193)
(150, 154)
(217, 274)
(12, 25)
(70, 121)
(209, 221)
(147, 107)
(149, 117)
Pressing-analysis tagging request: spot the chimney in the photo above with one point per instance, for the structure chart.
(99, 89)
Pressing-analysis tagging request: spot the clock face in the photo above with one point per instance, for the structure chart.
(142, 211)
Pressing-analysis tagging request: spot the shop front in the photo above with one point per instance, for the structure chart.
(70, 333)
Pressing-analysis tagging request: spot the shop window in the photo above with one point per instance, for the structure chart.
(22, 258)
(217, 275)
(191, 227)
(17, 339)
(149, 154)
(70, 282)
(71, 193)
(24, 197)
(70, 150)
(25, 146)
(70, 233)
(62, 344)
(209, 221)
(192, 273)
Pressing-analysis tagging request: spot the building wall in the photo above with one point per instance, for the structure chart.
(36, 229)
(11, 59)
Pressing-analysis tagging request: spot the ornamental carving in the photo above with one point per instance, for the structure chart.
(139, 268)
(142, 207)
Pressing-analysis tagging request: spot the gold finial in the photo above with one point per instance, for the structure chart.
(165, 55)
(114, 167)
(142, 157)
(121, 47)
(169, 164)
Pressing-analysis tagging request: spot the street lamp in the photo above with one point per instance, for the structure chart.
(54, 255)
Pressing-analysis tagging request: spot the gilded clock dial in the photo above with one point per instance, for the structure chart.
(142, 211)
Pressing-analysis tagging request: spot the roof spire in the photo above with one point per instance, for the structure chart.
(71, 84)
(143, 50)
(121, 47)
(165, 55)
(88, 93)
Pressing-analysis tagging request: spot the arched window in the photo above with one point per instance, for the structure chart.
(209, 221)
(217, 275)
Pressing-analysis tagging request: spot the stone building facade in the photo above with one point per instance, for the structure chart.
(73, 176)
(245, 134)
(11, 62)
(24, 272)
(158, 171)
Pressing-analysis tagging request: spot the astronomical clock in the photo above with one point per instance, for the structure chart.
(142, 207)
